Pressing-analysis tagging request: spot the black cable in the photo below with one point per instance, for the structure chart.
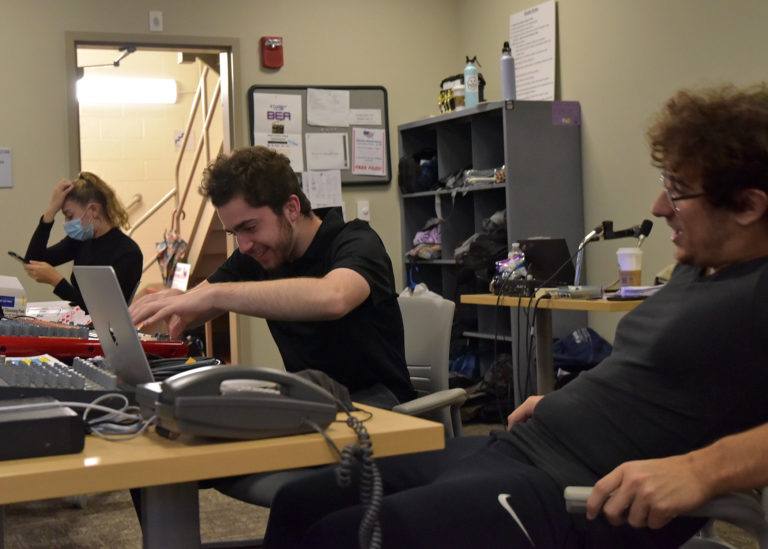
(370, 415)
(125, 421)
(496, 312)
(519, 380)
(495, 363)
(516, 379)
(505, 281)
(560, 268)
(371, 487)
(164, 368)
(529, 331)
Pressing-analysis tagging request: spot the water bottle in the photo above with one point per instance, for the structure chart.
(514, 265)
(507, 73)
(471, 83)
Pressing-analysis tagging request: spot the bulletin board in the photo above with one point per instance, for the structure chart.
(325, 128)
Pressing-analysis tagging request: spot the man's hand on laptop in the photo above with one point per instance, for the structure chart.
(172, 305)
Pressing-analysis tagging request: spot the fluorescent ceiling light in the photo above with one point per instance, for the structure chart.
(105, 89)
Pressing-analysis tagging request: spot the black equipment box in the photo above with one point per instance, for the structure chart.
(518, 287)
(39, 432)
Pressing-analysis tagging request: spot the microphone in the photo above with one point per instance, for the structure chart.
(595, 234)
(605, 231)
(643, 231)
(638, 231)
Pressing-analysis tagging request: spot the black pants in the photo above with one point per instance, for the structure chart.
(478, 492)
(473, 494)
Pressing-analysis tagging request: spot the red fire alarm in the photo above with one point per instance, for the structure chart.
(272, 51)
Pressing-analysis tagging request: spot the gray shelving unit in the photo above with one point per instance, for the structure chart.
(542, 197)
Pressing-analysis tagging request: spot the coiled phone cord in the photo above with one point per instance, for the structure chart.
(371, 490)
(371, 487)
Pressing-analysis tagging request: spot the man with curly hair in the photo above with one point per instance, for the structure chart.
(325, 287)
(689, 367)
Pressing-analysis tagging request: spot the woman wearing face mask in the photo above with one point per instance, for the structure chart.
(92, 220)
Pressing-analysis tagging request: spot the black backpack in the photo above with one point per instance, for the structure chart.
(418, 172)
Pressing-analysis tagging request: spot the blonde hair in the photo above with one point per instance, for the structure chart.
(89, 187)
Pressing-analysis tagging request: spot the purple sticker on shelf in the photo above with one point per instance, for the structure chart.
(566, 113)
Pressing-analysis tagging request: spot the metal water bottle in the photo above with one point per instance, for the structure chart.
(471, 83)
(507, 73)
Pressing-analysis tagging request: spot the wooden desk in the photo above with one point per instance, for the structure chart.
(168, 470)
(545, 370)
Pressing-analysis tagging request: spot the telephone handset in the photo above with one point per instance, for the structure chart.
(235, 402)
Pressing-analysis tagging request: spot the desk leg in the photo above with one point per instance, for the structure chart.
(2, 526)
(545, 369)
(170, 516)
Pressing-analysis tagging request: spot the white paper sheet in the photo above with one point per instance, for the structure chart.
(369, 151)
(181, 276)
(365, 117)
(532, 40)
(328, 107)
(327, 151)
(277, 124)
(58, 311)
(323, 188)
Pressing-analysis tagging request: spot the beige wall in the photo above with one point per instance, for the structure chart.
(619, 58)
(397, 44)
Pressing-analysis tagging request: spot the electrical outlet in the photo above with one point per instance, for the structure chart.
(364, 210)
(155, 21)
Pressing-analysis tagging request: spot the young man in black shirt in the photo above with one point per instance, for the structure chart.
(325, 287)
(689, 366)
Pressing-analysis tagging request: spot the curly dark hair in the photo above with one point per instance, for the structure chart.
(721, 135)
(263, 177)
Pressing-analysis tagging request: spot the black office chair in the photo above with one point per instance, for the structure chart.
(744, 510)
(428, 321)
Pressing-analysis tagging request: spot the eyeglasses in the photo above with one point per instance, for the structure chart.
(665, 179)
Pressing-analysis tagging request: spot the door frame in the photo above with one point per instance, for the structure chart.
(229, 49)
(229, 55)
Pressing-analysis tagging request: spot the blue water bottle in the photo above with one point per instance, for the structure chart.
(471, 83)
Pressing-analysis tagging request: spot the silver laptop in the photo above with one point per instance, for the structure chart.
(112, 321)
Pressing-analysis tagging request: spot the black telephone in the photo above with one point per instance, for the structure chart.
(235, 402)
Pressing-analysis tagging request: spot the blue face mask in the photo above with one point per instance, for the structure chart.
(74, 229)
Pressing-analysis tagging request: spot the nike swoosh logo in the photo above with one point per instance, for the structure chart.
(505, 504)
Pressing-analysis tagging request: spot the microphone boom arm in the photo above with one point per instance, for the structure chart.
(605, 231)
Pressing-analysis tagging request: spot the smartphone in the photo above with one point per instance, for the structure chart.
(17, 256)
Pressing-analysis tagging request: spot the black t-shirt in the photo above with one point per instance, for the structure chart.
(689, 366)
(359, 350)
(114, 248)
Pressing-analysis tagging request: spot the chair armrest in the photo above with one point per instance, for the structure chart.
(741, 509)
(727, 506)
(433, 401)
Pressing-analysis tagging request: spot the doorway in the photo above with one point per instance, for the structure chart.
(153, 154)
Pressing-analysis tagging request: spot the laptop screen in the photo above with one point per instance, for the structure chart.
(112, 321)
(548, 260)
